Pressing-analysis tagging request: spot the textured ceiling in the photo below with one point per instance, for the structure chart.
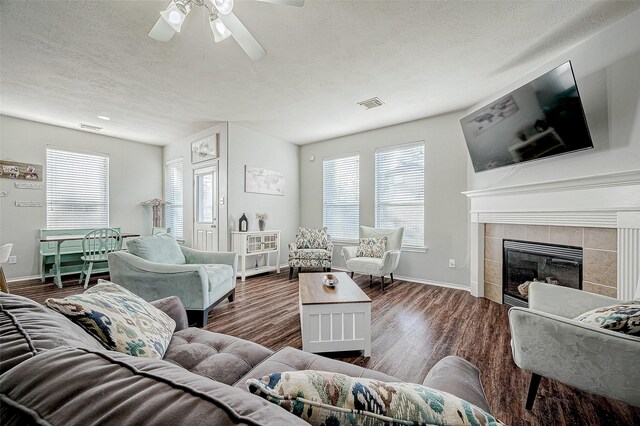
(64, 62)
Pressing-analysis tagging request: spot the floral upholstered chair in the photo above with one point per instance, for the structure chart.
(313, 249)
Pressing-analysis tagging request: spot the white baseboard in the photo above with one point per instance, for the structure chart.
(422, 281)
(30, 277)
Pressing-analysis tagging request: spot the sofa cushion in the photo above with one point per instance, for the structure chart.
(80, 386)
(218, 274)
(28, 328)
(322, 398)
(622, 317)
(371, 247)
(460, 378)
(310, 238)
(365, 265)
(119, 319)
(158, 249)
(288, 359)
(220, 357)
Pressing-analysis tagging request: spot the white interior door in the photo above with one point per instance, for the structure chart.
(205, 218)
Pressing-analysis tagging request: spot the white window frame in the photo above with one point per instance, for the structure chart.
(67, 189)
(325, 203)
(379, 204)
(177, 232)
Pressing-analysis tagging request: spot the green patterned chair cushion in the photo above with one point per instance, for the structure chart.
(118, 319)
(309, 238)
(623, 318)
(311, 254)
(323, 398)
(372, 247)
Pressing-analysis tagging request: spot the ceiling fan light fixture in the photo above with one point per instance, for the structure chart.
(223, 6)
(219, 29)
(174, 17)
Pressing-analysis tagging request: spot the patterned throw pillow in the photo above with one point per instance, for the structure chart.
(119, 319)
(323, 398)
(372, 247)
(308, 238)
(623, 318)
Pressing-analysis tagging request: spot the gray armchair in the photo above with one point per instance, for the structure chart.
(156, 267)
(546, 341)
(371, 266)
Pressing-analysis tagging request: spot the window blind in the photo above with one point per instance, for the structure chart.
(173, 193)
(399, 193)
(341, 196)
(77, 189)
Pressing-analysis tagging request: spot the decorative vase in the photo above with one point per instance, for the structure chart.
(262, 224)
(243, 226)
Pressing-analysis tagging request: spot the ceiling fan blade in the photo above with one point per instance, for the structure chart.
(161, 31)
(298, 3)
(241, 34)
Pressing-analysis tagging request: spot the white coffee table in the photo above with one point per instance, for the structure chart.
(334, 319)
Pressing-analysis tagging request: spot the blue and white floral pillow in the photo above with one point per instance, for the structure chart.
(623, 318)
(309, 238)
(119, 320)
(372, 247)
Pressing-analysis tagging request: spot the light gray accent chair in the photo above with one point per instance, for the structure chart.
(157, 267)
(371, 265)
(546, 341)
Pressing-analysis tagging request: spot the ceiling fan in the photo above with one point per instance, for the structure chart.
(222, 21)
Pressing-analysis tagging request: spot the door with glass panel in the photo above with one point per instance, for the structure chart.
(205, 218)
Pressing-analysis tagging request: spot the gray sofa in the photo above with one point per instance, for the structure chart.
(157, 267)
(55, 373)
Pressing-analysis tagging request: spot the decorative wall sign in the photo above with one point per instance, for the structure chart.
(205, 149)
(28, 203)
(28, 185)
(263, 181)
(20, 171)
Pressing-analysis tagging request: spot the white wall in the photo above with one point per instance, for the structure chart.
(182, 149)
(607, 70)
(135, 175)
(446, 219)
(249, 147)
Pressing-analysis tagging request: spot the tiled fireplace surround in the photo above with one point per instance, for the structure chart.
(600, 213)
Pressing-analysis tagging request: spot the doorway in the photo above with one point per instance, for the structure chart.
(205, 219)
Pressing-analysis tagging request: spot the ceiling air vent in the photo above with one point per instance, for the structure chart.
(90, 127)
(371, 103)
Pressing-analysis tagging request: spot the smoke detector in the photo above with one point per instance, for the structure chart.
(90, 127)
(371, 103)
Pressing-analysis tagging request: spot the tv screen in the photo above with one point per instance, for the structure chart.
(540, 119)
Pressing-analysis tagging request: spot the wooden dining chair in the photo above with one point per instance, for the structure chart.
(5, 251)
(96, 246)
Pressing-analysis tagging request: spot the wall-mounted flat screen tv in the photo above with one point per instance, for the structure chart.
(538, 120)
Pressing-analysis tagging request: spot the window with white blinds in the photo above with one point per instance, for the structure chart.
(341, 196)
(399, 175)
(77, 189)
(173, 193)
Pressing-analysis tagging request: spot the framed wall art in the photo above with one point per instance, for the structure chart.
(205, 149)
(263, 181)
(20, 171)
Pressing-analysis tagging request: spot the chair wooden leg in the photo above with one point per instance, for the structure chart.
(329, 269)
(290, 272)
(84, 267)
(382, 283)
(370, 279)
(299, 269)
(533, 390)
(391, 277)
(232, 296)
(3, 282)
(351, 274)
(86, 281)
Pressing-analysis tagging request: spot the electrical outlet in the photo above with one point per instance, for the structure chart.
(452, 263)
(13, 259)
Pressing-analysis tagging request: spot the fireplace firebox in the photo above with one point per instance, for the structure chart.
(525, 262)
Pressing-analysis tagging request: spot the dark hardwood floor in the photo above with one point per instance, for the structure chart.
(413, 326)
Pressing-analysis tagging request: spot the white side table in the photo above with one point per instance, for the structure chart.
(253, 243)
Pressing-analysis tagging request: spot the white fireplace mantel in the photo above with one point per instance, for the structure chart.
(609, 200)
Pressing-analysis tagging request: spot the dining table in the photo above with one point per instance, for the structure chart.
(59, 239)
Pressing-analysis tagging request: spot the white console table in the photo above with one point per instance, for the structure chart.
(253, 243)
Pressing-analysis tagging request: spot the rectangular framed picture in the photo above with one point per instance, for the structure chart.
(263, 181)
(204, 149)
